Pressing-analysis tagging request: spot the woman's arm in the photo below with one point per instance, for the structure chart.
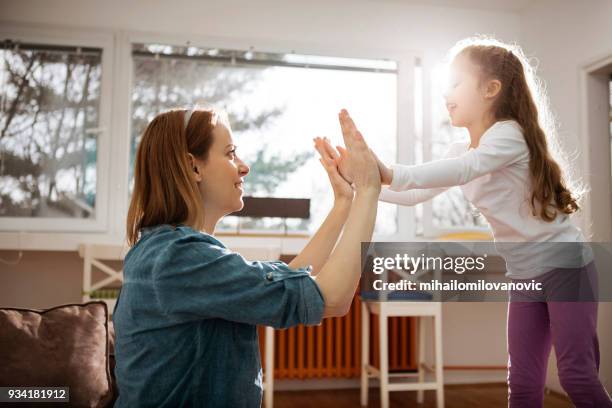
(339, 276)
(319, 247)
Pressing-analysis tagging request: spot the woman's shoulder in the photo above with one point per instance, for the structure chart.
(186, 232)
(160, 238)
(174, 249)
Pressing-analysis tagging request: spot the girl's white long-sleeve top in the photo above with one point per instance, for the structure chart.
(495, 178)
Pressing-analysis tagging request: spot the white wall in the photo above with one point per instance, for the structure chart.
(565, 36)
(343, 23)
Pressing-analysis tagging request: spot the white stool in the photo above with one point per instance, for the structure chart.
(421, 309)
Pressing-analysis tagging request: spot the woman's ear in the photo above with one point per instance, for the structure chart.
(194, 166)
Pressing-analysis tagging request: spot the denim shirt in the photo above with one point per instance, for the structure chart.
(186, 316)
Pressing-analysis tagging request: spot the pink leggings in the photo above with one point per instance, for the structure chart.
(533, 327)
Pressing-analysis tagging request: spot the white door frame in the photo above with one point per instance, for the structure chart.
(595, 142)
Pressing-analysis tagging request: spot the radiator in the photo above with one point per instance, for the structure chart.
(333, 349)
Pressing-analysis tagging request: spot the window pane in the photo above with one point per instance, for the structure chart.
(48, 141)
(418, 140)
(451, 208)
(276, 104)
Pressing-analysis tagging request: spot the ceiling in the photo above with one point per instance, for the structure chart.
(497, 5)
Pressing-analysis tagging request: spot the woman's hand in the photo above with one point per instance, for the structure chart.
(342, 189)
(340, 159)
(361, 162)
(339, 277)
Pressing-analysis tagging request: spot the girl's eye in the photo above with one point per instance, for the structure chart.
(232, 153)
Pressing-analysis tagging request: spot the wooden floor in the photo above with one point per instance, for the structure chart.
(456, 396)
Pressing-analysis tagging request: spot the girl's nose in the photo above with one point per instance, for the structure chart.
(445, 93)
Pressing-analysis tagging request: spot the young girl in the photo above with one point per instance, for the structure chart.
(508, 173)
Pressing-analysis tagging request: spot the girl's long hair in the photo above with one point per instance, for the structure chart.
(523, 99)
(165, 191)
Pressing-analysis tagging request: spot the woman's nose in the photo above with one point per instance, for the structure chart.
(243, 169)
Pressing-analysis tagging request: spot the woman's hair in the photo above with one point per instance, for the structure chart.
(523, 99)
(165, 190)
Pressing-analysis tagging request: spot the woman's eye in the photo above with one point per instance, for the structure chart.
(232, 153)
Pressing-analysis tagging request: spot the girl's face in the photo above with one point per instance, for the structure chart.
(466, 100)
(221, 176)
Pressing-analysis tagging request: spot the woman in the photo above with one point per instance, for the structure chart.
(186, 318)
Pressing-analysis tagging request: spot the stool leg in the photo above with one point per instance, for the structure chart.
(365, 352)
(384, 361)
(421, 358)
(439, 363)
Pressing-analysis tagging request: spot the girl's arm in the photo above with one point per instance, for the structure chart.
(409, 197)
(497, 149)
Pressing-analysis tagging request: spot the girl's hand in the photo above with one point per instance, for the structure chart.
(386, 173)
(342, 189)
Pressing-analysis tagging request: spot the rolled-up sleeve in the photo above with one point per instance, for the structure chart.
(198, 278)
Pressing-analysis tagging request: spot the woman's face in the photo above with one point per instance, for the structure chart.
(465, 100)
(221, 176)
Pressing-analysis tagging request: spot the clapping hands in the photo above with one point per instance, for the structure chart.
(342, 158)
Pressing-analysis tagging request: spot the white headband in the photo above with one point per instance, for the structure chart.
(188, 114)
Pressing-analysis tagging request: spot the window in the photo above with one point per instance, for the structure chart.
(276, 104)
(449, 210)
(49, 124)
(63, 165)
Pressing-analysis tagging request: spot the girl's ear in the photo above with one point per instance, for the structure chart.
(493, 89)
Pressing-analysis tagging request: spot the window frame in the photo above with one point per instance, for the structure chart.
(76, 38)
(430, 231)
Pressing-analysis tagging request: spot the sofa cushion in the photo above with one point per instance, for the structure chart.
(64, 346)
